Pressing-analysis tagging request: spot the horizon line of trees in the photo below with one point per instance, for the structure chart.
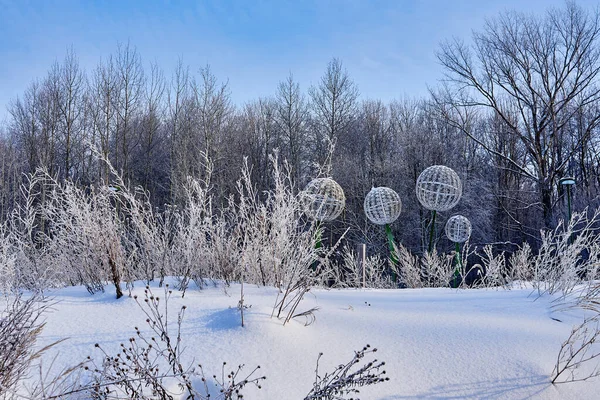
(519, 109)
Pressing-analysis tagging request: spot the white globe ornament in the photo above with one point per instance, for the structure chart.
(382, 205)
(458, 229)
(323, 199)
(438, 188)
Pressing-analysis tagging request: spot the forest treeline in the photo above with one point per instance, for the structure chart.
(517, 111)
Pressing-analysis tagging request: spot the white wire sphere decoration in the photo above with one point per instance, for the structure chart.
(458, 229)
(439, 188)
(323, 199)
(382, 205)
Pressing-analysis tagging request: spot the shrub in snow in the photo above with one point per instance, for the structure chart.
(520, 263)
(578, 358)
(151, 366)
(346, 379)
(86, 236)
(436, 269)
(408, 267)
(495, 267)
(351, 272)
(20, 325)
(568, 254)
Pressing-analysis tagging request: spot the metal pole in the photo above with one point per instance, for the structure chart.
(455, 282)
(569, 201)
(362, 259)
(432, 230)
(569, 207)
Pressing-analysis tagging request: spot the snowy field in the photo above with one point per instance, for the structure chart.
(437, 343)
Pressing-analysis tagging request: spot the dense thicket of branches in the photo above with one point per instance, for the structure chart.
(518, 112)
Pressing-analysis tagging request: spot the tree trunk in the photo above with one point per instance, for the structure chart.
(546, 197)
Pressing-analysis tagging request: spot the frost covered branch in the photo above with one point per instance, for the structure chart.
(577, 353)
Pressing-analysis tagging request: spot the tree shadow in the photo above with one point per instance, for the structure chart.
(515, 388)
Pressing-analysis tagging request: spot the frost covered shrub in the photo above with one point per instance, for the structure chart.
(495, 267)
(278, 244)
(260, 235)
(437, 269)
(520, 263)
(85, 235)
(568, 254)
(8, 258)
(20, 325)
(375, 271)
(25, 238)
(408, 268)
(189, 245)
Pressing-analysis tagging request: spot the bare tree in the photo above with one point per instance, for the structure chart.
(214, 102)
(129, 85)
(260, 136)
(102, 98)
(534, 74)
(333, 103)
(151, 159)
(292, 118)
(180, 105)
(214, 109)
(70, 106)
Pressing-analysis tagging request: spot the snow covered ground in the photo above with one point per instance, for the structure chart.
(437, 343)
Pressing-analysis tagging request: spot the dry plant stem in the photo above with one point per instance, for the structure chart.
(137, 371)
(577, 352)
(347, 378)
(241, 302)
(20, 325)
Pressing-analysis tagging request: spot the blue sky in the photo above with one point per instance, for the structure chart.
(388, 47)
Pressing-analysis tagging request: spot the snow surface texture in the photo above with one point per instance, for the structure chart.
(437, 343)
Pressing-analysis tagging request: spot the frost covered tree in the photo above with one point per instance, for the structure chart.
(535, 74)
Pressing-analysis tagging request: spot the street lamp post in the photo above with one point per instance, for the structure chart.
(568, 182)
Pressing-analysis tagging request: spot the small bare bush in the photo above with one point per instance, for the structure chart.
(20, 326)
(520, 263)
(346, 379)
(150, 365)
(575, 361)
(374, 271)
(495, 267)
(437, 269)
(568, 255)
(408, 267)
(86, 235)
